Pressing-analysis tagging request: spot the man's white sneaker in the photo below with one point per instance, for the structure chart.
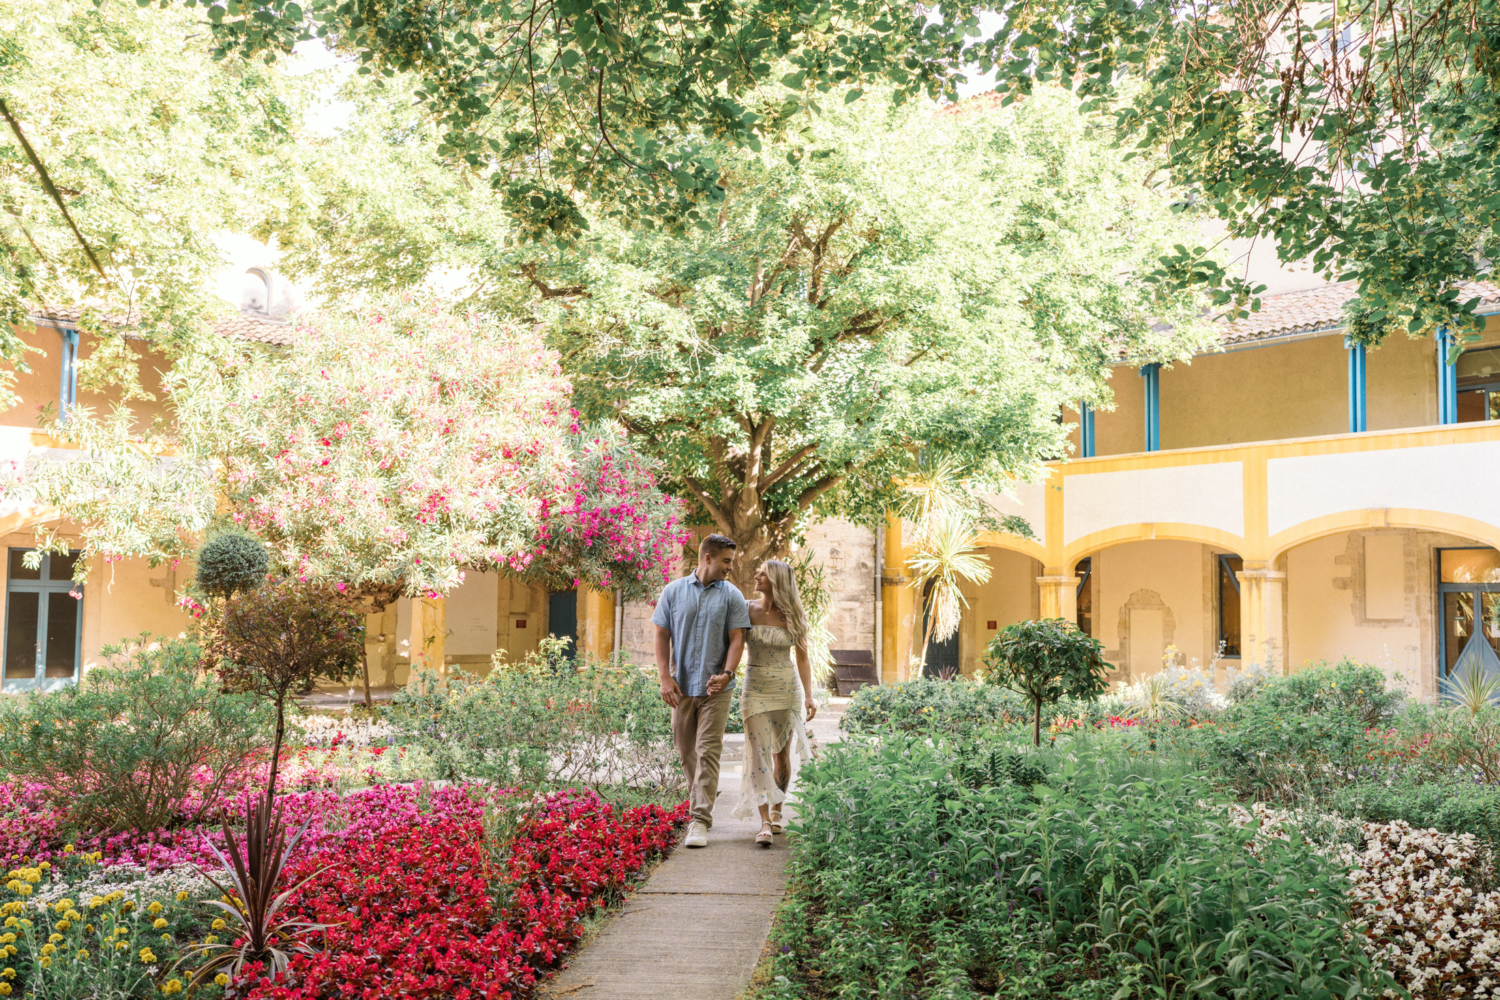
(697, 835)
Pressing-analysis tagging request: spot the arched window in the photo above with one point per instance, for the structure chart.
(255, 295)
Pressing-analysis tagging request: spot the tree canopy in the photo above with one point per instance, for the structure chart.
(148, 147)
(389, 450)
(569, 105)
(898, 280)
(1362, 135)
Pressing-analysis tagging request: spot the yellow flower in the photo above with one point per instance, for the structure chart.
(211, 939)
(158, 923)
(88, 928)
(147, 956)
(218, 925)
(51, 938)
(67, 848)
(82, 955)
(9, 974)
(63, 925)
(14, 885)
(25, 889)
(48, 948)
(166, 939)
(182, 897)
(5, 987)
(73, 915)
(121, 931)
(10, 921)
(63, 905)
(172, 986)
(121, 946)
(44, 866)
(96, 902)
(221, 979)
(44, 962)
(127, 906)
(155, 908)
(7, 938)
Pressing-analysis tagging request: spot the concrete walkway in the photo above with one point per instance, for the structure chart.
(696, 929)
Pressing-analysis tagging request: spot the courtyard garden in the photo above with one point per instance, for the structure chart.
(453, 846)
(1198, 834)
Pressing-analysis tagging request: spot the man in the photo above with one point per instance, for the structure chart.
(701, 621)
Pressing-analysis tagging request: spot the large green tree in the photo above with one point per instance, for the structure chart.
(896, 281)
(125, 148)
(1363, 135)
(569, 104)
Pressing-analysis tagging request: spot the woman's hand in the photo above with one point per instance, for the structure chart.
(810, 706)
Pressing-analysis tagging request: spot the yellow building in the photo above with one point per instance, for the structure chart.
(1284, 500)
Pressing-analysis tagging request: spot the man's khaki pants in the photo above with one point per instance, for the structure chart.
(698, 733)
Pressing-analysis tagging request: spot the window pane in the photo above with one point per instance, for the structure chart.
(1480, 365)
(61, 567)
(1229, 606)
(19, 571)
(1495, 404)
(1085, 596)
(20, 636)
(1471, 406)
(1458, 625)
(1469, 566)
(62, 634)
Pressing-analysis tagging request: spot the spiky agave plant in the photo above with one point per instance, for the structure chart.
(254, 911)
(1155, 704)
(1472, 688)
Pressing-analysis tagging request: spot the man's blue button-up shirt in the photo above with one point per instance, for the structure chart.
(699, 619)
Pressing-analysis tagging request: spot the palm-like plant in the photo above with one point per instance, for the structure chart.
(254, 911)
(1472, 688)
(948, 555)
(1155, 703)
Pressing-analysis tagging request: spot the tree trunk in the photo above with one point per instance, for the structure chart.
(1036, 725)
(378, 604)
(276, 748)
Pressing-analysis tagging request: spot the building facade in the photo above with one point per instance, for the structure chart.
(1282, 500)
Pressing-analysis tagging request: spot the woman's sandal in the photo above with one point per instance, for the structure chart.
(764, 837)
(776, 824)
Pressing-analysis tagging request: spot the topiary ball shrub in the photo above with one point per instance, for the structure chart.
(231, 563)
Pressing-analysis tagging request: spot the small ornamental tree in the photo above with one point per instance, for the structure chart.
(1044, 661)
(231, 562)
(279, 637)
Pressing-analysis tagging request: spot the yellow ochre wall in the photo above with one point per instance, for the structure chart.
(1010, 595)
(1293, 389)
(39, 387)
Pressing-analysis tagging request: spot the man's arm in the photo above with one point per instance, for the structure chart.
(670, 692)
(719, 682)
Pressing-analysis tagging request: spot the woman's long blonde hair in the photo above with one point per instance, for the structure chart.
(786, 599)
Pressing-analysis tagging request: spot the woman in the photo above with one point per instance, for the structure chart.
(772, 700)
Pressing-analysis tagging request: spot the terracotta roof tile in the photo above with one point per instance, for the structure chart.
(239, 326)
(1316, 310)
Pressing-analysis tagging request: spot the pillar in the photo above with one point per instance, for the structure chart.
(1059, 595)
(1262, 613)
(1447, 379)
(596, 622)
(1152, 375)
(429, 629)
(1085, 430)
(896, 607)
(380, 646)
(1357, 405)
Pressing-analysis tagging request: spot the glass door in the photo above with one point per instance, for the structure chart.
(1469, 603)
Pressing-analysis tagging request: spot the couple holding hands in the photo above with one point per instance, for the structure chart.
(704, 627)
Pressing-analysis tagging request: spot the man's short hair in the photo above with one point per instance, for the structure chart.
(714, 544)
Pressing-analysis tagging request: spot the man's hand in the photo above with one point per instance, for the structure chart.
(719, 682)
(670, 692)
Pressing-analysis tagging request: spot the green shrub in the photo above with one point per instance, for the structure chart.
(932, 705)
(1450, 806)
(1301, 736)
(548, 720)
(231, 562)
(1345, 690)
(120, 750)
(1117, 877)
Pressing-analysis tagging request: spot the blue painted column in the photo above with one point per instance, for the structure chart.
(1152, 374)
(1085, 430)
(1447, 379)
(67, 392)
(1357, 405)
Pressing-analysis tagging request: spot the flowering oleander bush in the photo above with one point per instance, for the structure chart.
(428, 926)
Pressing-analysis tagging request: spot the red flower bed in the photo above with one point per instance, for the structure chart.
(416, 912)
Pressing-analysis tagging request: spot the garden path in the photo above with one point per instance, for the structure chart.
(696, 929)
